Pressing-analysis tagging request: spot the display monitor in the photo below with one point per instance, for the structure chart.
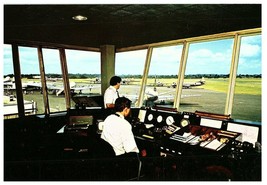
(142, 115)
(249, 133)
(88, 100)
(81, 120)
(211, 123)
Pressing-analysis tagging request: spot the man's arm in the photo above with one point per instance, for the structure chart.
(129, 141)
(110, 105)
(108, 99)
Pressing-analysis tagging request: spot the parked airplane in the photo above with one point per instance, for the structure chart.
(126, 81)
(55, 88)
(152, 97)
(130, 81)
(97, 80)
(190, 84)
(8, 79)
(59, 89)
(9, 83)
(165, 98)
(53, 79)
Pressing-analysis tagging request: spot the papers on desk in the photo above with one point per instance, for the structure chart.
(182, 138)
(214, 145)
(147, 136)
(195, 140)
(60, 131)
(149, 126)
(172, 129)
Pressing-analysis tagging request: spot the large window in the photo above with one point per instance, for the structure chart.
(206, 78)
(9, 99)
(31, 80)
(205, 87)
(54, 80)
(247, 99)
(84, 75)
(162, 75)
(84, 72)
(130, 67)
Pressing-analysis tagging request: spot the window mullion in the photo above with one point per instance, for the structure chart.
(232, 77)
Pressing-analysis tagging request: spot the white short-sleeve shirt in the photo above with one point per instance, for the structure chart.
(110, 95)
(118, 133)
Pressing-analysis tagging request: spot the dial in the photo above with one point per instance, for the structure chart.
(159, 119)
(184, 122)
(150, 117)
(169, 120)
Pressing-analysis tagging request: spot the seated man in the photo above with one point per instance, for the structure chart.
(117, 131)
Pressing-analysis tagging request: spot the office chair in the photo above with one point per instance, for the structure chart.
(120, 163)
(139, 168)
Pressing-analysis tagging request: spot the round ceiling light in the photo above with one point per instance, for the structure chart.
(79, 18)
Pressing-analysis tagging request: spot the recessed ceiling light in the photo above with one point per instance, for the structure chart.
(79, 18)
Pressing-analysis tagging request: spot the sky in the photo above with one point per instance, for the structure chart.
(210, 58)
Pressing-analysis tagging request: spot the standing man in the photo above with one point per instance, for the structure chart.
(111, 93)
(117, 131)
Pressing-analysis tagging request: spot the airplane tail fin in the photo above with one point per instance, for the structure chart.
(59, 92)
(202, 80)
(72, 84)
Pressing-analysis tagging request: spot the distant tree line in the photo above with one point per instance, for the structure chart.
(193, 76)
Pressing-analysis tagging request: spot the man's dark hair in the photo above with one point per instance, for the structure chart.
(114, 80)
(121, 103)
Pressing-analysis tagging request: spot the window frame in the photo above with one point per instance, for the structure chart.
(181, 71)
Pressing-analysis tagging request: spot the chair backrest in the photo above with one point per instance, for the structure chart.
(105, 149)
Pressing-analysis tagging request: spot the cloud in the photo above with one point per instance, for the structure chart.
(201, 53)
(83, 62)
(131, 62)
(207, 57)
(249, 50)
(165, 52)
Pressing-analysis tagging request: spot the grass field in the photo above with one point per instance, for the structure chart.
(243, 85)
(250, 86)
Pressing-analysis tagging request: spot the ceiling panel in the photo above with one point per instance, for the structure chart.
(124, 25)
